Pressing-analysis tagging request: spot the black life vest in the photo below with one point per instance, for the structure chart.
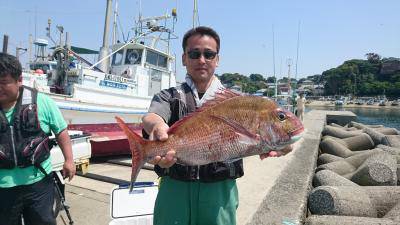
(22, 142)
(182, 102)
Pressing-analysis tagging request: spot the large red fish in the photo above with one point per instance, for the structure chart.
(230, 126)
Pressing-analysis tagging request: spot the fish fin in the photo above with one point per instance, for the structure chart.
(247, 140)
(220, 96)
(237, 127)
(136, 143)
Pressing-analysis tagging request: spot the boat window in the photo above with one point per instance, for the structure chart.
(156, 59)
(117, 58)
(133, 56)
(151, 58)
(162, 61)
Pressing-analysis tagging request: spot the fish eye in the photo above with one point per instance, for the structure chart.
(281, 116)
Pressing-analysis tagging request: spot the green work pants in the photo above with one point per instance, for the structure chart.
(196, 203)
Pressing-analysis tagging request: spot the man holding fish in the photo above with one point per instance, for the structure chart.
(199, 156)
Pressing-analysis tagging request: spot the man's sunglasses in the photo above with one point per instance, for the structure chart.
(196, 54)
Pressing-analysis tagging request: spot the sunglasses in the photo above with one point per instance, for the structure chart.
(196, 54)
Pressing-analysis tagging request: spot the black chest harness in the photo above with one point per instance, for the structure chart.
(22, 142)
(182, 102)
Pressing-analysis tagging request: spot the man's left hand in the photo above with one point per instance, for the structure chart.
(279, 153)
(69, 170)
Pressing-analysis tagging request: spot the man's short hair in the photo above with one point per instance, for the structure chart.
(200, 31)
(10, 65)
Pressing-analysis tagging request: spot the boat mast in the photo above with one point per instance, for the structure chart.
(104, 48)
(114, 34)
(195, 14)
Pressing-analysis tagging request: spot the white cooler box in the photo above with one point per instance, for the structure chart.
(134, 208)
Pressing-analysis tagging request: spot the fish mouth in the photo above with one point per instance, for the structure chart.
(296, 132)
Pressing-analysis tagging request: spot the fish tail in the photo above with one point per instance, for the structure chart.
(136, 144)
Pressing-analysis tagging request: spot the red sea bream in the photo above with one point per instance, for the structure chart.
(230, 126)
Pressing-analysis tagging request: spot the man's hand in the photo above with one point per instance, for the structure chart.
(159, 132)
(69, 170)
(165, 162)
(277, 153)
(65, 144)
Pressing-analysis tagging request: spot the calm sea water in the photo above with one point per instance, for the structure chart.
(385, 116)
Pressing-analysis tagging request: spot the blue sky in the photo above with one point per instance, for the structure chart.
(330, 31)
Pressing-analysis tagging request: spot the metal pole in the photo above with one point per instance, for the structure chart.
(114, 33)
(194, 13)
(5, 43)
(67, 41)
(104, 49)
(107, 23)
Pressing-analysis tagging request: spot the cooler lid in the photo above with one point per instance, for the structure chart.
(138, 203)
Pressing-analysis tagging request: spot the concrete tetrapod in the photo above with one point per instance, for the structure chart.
(349, 164)
(370, 201)
(392, 140)
(339, 132)
(346, 220)
(394, 213)
(344, 128)
(341, 200)
(362, 126)
(379, 169)
(377, 137)
(330, 178)
(333, 147)
(355, 143)
(327, 158)
(387, 130)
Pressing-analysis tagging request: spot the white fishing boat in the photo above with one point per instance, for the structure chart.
(121, 83)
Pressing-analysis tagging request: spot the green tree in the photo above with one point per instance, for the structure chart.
(257, 78)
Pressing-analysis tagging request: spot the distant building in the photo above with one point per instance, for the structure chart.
(308, 87)
(236, 88)
(260, 92)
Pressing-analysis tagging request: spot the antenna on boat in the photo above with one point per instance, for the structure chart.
(48, 29)
(143, 31)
